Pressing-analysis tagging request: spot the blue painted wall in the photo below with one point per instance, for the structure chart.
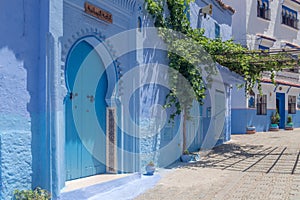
(28, 52)
(296, 118)
(19, 86)
(35, 41)
(241, 118)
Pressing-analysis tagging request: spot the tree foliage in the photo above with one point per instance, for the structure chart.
(185, 53)
(248, 63)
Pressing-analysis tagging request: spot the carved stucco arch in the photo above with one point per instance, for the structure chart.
(94, 37)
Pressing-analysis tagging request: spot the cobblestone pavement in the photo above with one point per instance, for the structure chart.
(259, 166)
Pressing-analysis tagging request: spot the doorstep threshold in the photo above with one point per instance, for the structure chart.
(91, 180)
(85, 188)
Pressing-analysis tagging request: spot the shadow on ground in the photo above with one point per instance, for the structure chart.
(249, 158)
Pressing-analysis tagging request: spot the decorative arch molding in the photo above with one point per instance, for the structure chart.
(106, 52)
(68, 43)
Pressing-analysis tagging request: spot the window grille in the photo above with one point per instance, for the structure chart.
(263, 10)
(291, 104)
(289, 17)
(261, 104)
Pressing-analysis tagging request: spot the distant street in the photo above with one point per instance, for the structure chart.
(259, 166)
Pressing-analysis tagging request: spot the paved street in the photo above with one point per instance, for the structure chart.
(258, 166)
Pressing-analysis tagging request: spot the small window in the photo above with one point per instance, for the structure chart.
(261, 47)
(217, 30)
(139, 25)
(289, 17)
(263, 10)
(292, 104)
(251, 101)
(261, 104)
(298, 102)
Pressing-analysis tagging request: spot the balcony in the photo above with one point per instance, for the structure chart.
(263, 13)
(290, 21)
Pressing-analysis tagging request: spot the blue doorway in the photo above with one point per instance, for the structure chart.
(85, 112)
(280, 107)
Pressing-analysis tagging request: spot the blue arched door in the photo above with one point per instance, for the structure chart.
(86, 80)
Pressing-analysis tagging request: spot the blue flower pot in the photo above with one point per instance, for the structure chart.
(250, 130)
(150, 169)
(274, 127)
(186, 158)
(289, 126)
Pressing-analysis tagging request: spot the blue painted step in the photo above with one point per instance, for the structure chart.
(91, 191)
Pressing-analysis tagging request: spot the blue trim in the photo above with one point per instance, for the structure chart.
(217, 31)
(139, 24)
(288, 90)
(267, 2)
(263, 47)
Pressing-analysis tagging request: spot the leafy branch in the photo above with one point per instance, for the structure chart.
(188, 50)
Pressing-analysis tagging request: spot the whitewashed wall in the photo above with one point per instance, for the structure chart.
(208, 22)
(246, 24)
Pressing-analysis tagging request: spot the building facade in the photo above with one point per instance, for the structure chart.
(267, 25)
(80, 95)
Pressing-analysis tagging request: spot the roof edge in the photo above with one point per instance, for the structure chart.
(225, 6)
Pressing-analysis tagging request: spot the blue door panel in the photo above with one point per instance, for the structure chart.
(280, 106)
(85, 137)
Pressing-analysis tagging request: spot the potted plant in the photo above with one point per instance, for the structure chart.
(289, 125)
(275, 121)
(186, 156)
(150, 168)
(250, 129)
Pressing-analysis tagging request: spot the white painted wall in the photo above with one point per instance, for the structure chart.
(240, 101)
(208, 22)
(246, 24)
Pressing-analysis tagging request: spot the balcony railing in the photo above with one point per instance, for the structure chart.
(264, 13)
(290, 21)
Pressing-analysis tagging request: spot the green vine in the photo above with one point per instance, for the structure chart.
(248, 63)
(185, 54)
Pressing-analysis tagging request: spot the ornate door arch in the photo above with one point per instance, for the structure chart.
(87, 84)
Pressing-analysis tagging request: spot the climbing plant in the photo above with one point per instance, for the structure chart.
(186, 54)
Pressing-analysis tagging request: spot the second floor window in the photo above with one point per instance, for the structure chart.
(289, 17)
(263, 10)
(261, 47)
